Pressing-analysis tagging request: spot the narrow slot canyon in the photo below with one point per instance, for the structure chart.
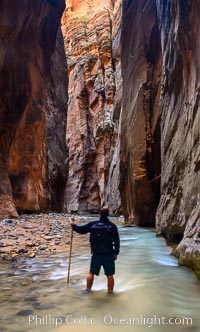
(99, 107)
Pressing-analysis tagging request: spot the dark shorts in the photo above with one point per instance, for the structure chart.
(107, 261)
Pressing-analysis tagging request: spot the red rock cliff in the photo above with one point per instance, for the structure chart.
(140, 141)
(174, 108)
(32, 108)
(87, 29)
(179, 209)
(112, 197)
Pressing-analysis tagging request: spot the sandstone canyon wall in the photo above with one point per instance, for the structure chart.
(140, 136)
(160, 69)
(179, 209)
(112, 192)
(32, 106)
(89, 27)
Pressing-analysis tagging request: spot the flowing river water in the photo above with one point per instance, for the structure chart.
(151, 291)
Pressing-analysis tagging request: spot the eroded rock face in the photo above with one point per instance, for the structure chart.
(87, 30)
(28, 31)
(174, 107)
(179, 208)
(112, 196)
(140, 138)
(56, 120)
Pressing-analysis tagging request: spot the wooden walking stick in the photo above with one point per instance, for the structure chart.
(70, 256)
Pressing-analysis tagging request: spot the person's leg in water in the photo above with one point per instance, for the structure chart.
(95, 266)
(90, 279)
(110, 280)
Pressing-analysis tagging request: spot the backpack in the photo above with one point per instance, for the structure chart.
(101, 238)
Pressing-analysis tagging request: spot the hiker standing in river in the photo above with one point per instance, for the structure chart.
(105, 244)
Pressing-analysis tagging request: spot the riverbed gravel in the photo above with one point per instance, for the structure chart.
(35, 235)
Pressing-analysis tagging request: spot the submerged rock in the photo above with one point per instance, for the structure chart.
(42, 248)
(32, 255)
(22, 251)
(8, 257)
